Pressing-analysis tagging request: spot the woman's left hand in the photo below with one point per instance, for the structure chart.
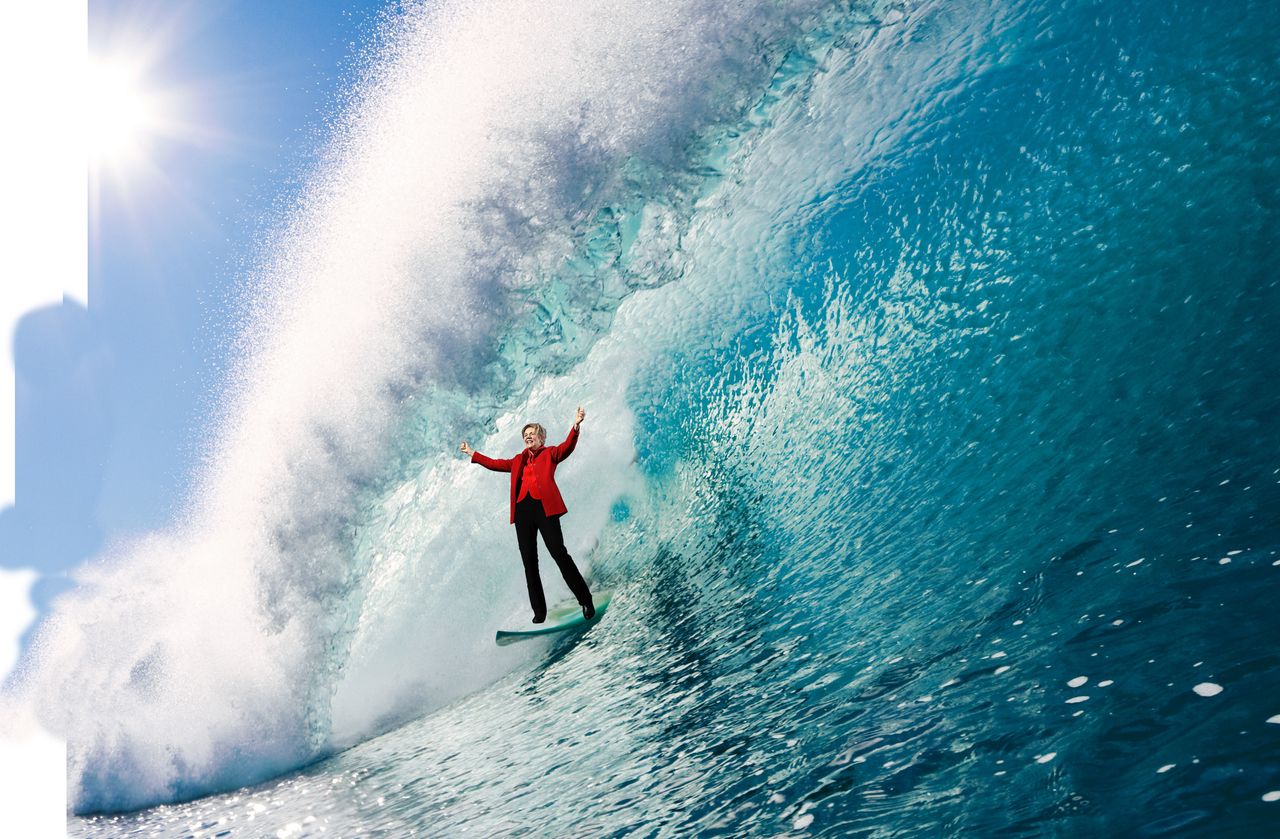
(581, 416)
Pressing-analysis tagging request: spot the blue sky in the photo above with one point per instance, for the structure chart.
(113, 400)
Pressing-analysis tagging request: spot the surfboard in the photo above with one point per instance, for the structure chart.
(561, 618)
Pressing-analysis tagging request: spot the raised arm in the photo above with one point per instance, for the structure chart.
(560, 452)
(496, 465)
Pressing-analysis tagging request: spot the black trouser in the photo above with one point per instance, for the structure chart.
(530, 519)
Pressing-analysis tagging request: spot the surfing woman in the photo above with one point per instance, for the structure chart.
(536, 507)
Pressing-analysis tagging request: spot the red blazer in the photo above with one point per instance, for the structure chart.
(544, 466)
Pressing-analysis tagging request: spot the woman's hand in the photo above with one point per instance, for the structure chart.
(581, 416)
(465, 449)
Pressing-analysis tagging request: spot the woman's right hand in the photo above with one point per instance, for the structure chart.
(465, 449)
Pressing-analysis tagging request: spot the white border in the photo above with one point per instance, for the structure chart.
(43, 224)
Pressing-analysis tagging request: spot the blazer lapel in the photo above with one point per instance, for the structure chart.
(523, 460)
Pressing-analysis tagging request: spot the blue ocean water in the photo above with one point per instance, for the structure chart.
(928, 351)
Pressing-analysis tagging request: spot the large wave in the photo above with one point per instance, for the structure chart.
(893, 328)
(505, 176)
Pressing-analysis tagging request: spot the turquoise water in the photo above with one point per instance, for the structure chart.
(929, 357)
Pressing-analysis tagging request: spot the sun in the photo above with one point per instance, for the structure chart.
(121, 115)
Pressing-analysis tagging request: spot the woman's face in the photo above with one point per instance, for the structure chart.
(533, 440)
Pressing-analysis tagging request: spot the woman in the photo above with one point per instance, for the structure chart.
(536, 507)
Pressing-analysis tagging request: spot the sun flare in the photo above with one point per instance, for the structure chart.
(121, 114)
